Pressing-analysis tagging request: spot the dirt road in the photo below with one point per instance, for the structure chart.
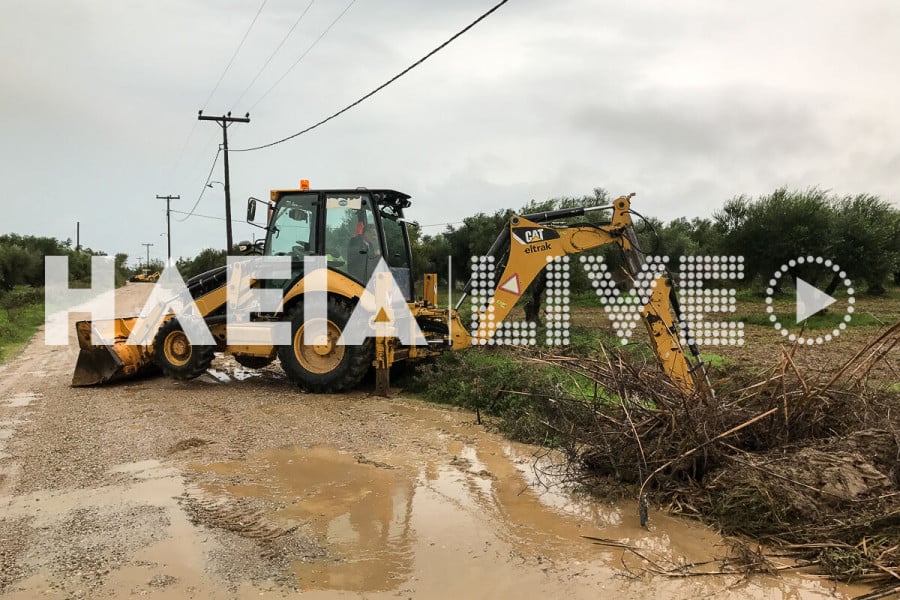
(239, 486)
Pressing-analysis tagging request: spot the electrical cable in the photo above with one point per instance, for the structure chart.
(651, 228)
(383, 85)
(181, 212)
(206, 183)
(277, 48)
(184, 146)
(233, 56)
(302, 56)
(440, 224)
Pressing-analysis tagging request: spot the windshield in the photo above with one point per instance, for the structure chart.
(293, 229)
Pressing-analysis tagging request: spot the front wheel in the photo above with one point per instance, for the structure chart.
(323, 365)
(176, 356)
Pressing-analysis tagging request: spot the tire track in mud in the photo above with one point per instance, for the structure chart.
(250, 545)
(237, 515)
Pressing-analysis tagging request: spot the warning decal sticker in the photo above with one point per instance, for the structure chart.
(511, 285)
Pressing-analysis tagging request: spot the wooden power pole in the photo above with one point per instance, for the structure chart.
(147, 245)
(224, 121)
(168, 199)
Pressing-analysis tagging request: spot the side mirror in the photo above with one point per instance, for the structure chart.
(251, 209)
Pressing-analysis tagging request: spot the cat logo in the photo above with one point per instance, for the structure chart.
(533, 235)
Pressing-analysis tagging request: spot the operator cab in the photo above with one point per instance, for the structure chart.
(353, 229)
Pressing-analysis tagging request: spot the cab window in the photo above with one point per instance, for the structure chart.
(350, 246)
(396, 255)
(293, 230)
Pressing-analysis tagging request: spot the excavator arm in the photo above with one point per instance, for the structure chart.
(530, 242)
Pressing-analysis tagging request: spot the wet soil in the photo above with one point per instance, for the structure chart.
(236, 485)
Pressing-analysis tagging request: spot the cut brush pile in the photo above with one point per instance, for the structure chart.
(807, 464)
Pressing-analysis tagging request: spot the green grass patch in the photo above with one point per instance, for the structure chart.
(588, 341)
(716, 361)
(829, 320)
(499, 382)
(751, 294)
(21, 313)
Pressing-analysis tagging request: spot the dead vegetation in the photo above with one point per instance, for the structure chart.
(806, 463)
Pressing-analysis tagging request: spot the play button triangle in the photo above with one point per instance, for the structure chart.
(810, 300)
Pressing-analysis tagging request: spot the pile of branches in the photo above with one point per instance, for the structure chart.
(806, 462)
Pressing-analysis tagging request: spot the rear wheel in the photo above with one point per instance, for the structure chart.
(323, 365)
(176, 356)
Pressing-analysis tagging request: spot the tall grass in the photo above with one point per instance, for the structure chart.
(21, 313)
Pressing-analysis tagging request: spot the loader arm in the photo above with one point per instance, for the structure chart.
(532, 243)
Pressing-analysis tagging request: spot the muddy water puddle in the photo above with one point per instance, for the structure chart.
(469, 522)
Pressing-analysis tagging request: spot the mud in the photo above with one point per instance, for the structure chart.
(236, 487)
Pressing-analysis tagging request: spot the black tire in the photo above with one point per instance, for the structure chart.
(253, 362)
(329, 367)
(176, 356)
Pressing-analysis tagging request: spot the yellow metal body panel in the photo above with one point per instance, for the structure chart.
(338, 284)
(430, 289)
(658, 317)
(527, 260)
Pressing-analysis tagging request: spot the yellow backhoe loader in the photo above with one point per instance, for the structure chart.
(145, 276)
(352, 228)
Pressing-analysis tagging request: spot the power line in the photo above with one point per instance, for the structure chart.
(440, 224)
(302, 56)
(181, 212)
(274, 52)
(383, 85)
(184, 146)
(200, 197)
(237, 50)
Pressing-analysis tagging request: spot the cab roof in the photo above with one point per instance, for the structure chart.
(380, 195)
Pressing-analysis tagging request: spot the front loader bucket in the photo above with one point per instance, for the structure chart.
(112, 359)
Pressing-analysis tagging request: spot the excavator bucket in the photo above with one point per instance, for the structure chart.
(112, 359)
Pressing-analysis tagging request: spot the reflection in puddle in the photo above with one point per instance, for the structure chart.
(383, 525)
(361, 511)
(467, 522)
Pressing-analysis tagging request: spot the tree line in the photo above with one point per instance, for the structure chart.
(859, 232)
(22, 261)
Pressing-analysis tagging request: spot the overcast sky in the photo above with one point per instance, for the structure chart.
(685, 103)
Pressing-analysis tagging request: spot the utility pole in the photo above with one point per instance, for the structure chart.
(77, 236)
(224, 121)
(168, 199)
(148, 253)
